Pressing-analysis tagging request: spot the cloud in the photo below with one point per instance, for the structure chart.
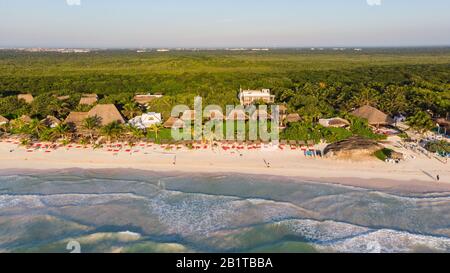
(73, 2)
(374, 2)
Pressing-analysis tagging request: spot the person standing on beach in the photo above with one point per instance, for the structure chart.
(438, 178)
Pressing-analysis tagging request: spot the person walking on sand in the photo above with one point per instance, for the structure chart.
(438, 178)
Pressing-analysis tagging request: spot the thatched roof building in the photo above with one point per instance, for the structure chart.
(146, 99)
(334, 122)
(26, 119)
(214, 114)
(173, 122)
(353, 148)
(261, 115)
(291, 118)
(3, 120)
(51, 121)
(76, 119)
(444, 123)
(188, 115)
(88, 100)
(237, 115)
(107, 113)
(28, 98)
(374, 116)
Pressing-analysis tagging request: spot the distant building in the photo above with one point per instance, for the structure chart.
(248, 97)
(146, 99)
(28, 98)
(3, 120)
(146, 120)
(292, 118)
(174, 123)
(374, 116)
(334, 123)
(89, 99)
(107, 113)
(51, 121)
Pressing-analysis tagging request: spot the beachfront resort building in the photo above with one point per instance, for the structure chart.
(3, 120)
(51, 121)
(28, 98)
(374, 116)
(89, 99)
(146, 99)
(334, 122)
(106, 113)
(249, 97)
(146, 120)
(173, 122)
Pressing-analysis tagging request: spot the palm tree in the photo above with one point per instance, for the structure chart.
(136, 132)
(61, 131)
(111, 130)
(91, 124)
(131, 110)
(155, 128)
(36, 128)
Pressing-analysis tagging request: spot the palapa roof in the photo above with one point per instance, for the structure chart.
(188, 115)
(214, 114)
(63, 97)
(107, 113)
(261, 114)
(373, 115)
(26, 119)
(443, 123)
(291, 118)
(28, 98)
(3, 119)
(88, 100)
(51, 120)
(237, 114)
(90, 96)
(173, 122)
(144, 99)
(334, 122)
(76, 118)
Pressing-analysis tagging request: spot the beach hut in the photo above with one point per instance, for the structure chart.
(51, 121)
(374, 116)
(88, 100)
(214, 114)
(76, 119)
(292, 118)
(26, 119)
(146, 99)
(261, 115)
(63, 98)
(107, 113)
(174, 122)
(334, 122)
(3, 120)
(188, 115)
(237, 115)
(28, 98)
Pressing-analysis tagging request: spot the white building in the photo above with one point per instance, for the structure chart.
(248, 97)
(146, 120)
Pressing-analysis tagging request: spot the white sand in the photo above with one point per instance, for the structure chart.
(413, 175)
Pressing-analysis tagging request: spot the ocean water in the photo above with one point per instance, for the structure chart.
(136, 211)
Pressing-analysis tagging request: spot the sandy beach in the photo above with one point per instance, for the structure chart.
(416, 175)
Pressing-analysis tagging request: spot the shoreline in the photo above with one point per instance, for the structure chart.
(413, 177)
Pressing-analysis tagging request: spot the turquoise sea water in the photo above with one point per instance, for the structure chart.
(136, 211)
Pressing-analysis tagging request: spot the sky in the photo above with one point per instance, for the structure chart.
(223, 23)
